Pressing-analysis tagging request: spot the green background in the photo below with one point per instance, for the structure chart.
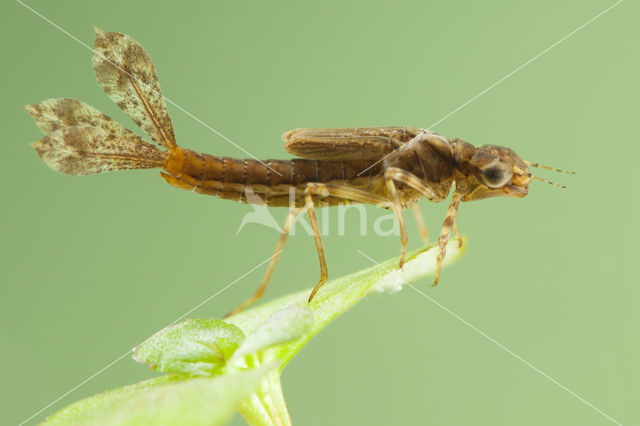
(92, 266)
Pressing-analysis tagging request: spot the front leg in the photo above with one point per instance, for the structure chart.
(449, 223)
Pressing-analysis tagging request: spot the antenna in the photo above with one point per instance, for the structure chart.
(548, 181)
(529, 163)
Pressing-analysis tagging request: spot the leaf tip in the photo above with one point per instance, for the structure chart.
(420, 265)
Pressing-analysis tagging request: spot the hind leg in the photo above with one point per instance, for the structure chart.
(272, 264)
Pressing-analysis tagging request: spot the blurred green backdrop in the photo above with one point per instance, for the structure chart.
(92, 266)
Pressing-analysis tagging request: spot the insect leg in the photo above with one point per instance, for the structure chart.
(337, 191)
(392, 174)
(456, 230)
(449, 222)
(309, 189)
(424, 233)
(272, 264)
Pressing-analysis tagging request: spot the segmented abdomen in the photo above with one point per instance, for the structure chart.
(276, 182)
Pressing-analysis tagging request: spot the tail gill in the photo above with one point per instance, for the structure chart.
(80, 140)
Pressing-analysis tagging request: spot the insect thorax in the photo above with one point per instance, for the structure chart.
(429, 157)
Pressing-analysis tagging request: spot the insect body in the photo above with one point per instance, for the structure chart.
(390, 167)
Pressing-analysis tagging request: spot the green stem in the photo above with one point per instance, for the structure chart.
(266, 407)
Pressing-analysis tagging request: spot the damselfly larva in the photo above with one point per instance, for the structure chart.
(390, 167)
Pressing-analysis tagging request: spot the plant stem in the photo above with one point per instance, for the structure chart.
(266, 407)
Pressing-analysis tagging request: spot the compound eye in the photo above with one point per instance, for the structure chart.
(496, 175)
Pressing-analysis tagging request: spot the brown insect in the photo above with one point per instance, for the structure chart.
(390, 167)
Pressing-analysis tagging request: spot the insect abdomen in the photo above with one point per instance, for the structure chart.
(271, 180)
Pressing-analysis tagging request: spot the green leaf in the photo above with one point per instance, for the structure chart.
(338, 295)
(267, 406)
(275, 332)
(86, 411)
(200, 401)
(286, 325)
(199, 347)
